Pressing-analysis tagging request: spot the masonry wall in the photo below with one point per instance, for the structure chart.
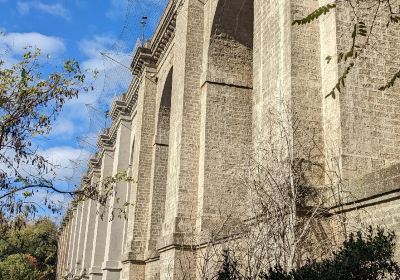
(368, 117)
(134, 257)
(218, 80)
(287, 79)
(182, 181)
(226, 108)
(382, 213)
(272, 62)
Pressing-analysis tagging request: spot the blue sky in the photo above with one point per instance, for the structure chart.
(78, 29)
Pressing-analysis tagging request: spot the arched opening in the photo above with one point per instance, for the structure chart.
(159, 168)
(226, 108)
(164, 112)
(230, 53)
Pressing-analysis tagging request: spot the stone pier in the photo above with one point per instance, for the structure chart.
(207, 89)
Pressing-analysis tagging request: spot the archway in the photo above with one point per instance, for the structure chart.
(230, 50)
(159, 169)
(226, 108)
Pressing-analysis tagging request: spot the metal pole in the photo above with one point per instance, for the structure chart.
(143, 22)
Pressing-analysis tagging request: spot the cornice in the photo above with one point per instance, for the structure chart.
(95, 163)
(164, 33)
(85, 180)
(118, 107)
(150, 53)
(141, 58)
(104, 140)
(123, 108)
(104, 145)
(132, 94)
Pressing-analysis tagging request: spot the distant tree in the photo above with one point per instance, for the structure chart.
(18, 267)
(28, 252)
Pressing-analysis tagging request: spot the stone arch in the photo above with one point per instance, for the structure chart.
(130, 186)
(159, 169)
(230, 50)
(132, 152)
(226, 107)
(164, 111)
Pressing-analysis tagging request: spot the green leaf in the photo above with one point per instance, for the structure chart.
(391, 82)
(328, 59)
(315, 14)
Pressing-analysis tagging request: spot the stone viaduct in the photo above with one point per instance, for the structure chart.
(201, 92)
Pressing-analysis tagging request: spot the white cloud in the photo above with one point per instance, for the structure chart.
(55, 9)
(114, 72)
(61, 156)
(13, 45)
(98, 43)
(16, 43)
(70, 162)
(62, 128)
(23, 7)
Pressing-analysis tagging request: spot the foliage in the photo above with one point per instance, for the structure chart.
(17, 266)
(28, 252)
(362, 257)
(323, 10)
(365, 17)
(32, 93)
(228, 270)
(30, 100)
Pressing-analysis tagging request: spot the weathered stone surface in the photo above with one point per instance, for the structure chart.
(204, 91)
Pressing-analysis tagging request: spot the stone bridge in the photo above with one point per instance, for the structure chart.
(202, 94)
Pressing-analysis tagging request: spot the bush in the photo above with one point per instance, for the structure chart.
(362, 257)
(17, 267)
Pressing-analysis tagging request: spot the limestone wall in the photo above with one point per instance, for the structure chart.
(367, 117)
(218, 79)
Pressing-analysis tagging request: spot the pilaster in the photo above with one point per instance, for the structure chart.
(64, 259)
(67, 245)
(101, 219)
(117, 221)
(69, 248)
(183, 162)
(133, 259)
(75, 241)
(81, 237)
(90, 228)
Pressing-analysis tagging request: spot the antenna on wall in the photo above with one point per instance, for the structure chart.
(143, 22)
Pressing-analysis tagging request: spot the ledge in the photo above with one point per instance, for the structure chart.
(141, 58)
(371, 189)
(111, 265)
(375, 184)
(130, 257)
(96, 270)
(95, 164)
